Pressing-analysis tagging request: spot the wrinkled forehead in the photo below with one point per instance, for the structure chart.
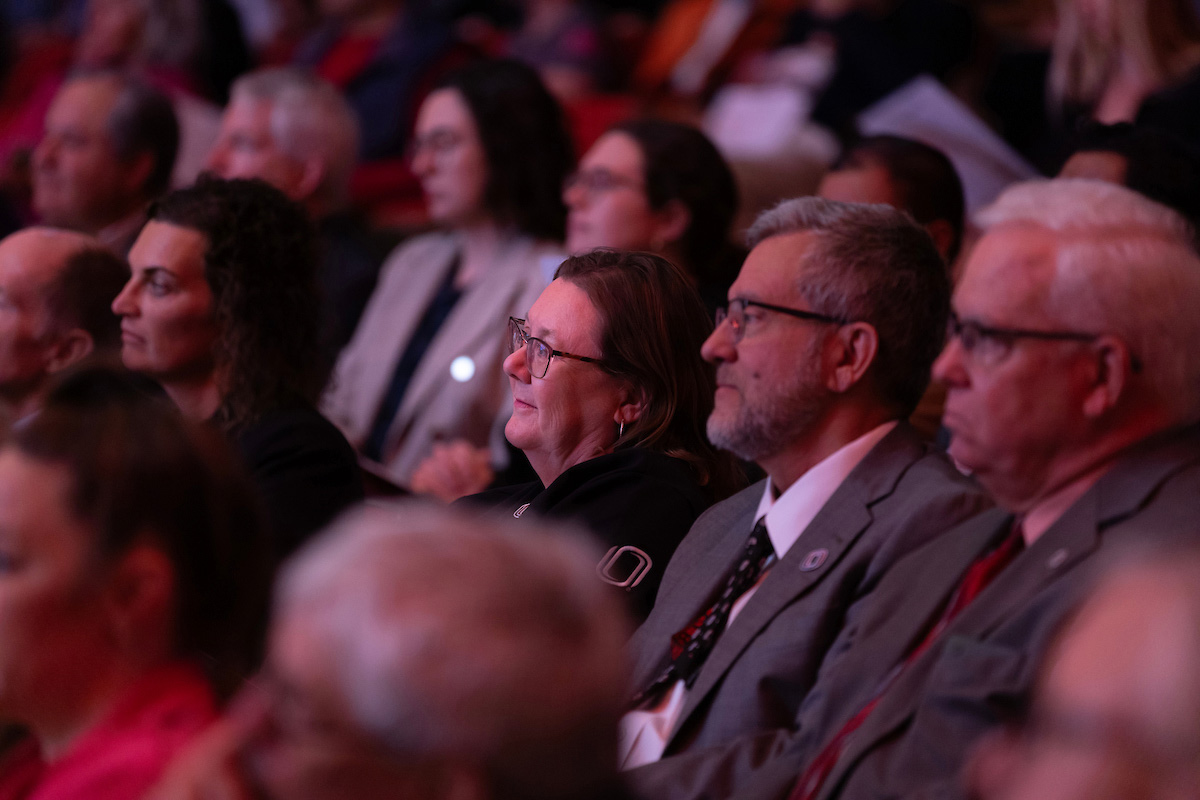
(1008, 275)
(775, 269)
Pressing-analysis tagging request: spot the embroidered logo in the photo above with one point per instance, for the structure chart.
(624, 566)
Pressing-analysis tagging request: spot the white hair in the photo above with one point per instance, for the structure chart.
(1126, 265)
(491, 644)
(309, 117)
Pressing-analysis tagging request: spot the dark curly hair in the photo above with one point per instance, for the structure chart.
(524, 136)
(261, 264)
(681, 163)
(654, 324)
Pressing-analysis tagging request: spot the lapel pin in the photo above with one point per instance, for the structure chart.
(517, 514)
(1057, 559)
(814, 560)
(462, 369)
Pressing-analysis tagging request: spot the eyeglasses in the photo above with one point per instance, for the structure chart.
(735, 312)
(438, 142)
(595, 181)
(989, 345)
(537, 352)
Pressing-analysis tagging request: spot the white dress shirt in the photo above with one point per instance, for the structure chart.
(645, 731)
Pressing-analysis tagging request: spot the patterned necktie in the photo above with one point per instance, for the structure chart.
(692, 645)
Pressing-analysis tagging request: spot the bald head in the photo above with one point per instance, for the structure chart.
(55, 290)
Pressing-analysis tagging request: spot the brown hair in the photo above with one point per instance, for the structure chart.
(139, 472)
(654, 324)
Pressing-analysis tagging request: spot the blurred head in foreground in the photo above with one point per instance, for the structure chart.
(417, 653)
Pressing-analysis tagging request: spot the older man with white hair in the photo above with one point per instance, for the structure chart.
(418, 653)
(297, 133)
(1074, 393)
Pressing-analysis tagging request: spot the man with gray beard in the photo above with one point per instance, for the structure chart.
(823, 350)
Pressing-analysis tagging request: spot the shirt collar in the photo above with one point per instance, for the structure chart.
(788, 515)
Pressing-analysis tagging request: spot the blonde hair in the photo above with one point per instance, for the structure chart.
(1162, 36)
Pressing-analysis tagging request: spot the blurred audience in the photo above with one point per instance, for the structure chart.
(562, 40)
(384, 55)
(916, 178)
(824, 348)
(905, 174)
(134, 593)
(57, 287)
(421, 654)
(1153, 162)
(1073, 398)
(222, 312)
(610, 396)
(1116, 711)
(108, 150)
(297, 132)
(424, 366)
(663, 187)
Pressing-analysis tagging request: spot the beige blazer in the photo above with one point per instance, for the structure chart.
(436, 404)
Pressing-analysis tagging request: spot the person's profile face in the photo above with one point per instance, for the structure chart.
(570, 414)
(168, 330)
(28, 334)
(606, 199)
(246, 148)
(78, 180)
(53, 635)
(1013, 404)
(770, 382)
(448, 158)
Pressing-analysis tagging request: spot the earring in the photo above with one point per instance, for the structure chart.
(620, 429)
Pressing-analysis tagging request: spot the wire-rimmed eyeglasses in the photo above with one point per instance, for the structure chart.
(537, 352)
(735, 313)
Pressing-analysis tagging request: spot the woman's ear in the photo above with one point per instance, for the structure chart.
(633, 402)
(671, 222)
(140, 600)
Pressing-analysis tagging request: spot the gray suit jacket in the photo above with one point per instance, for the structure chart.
(435, 406)
(742, 705)
(915, 742)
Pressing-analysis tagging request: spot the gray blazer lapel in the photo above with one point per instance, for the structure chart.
(698, 581)
(836, 527)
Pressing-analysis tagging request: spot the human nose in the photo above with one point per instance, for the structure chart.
(422, 160)
(125, 305)
(45, 152)
(950, 367)
(574, 194)
(515, 366)
(218, 159)
(719, 347)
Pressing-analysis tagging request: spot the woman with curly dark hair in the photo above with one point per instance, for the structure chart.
(222, 312)
(491, 151)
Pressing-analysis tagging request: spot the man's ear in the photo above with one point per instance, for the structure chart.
(70, 348)
(312, 174)
(672, 221)
(140, 600)
(852, 350)
(137, 172)
(1114, 366)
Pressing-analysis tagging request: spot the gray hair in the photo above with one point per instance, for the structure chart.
(309, 117)
(1126, 265)
(475, 641)
(872, 263)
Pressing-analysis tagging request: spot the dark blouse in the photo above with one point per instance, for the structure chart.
(638, 503)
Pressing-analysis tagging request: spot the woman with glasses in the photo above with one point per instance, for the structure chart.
(610, 402)
(491, 150)
(662, 187)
